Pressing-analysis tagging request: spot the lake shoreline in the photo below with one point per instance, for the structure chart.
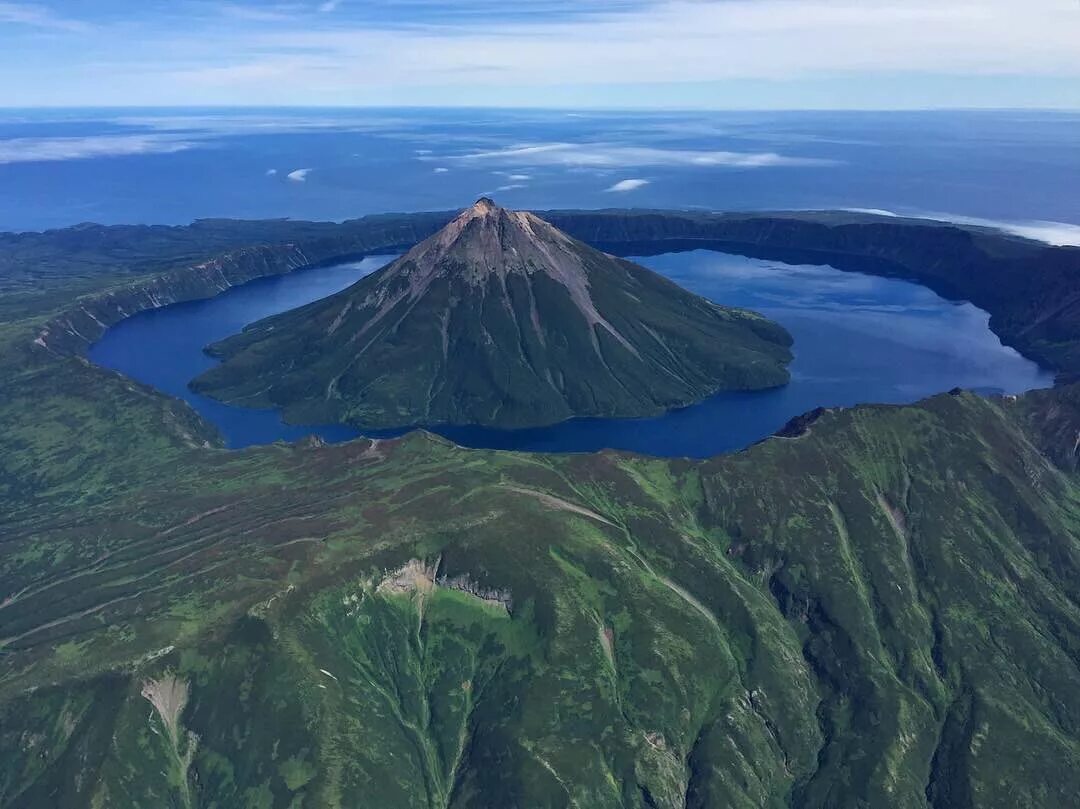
(725, 422)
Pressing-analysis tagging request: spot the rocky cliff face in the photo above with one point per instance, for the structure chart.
(230, 253)
(498, 319)
(85, 323)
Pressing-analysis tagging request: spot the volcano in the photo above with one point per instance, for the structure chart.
(499, 319)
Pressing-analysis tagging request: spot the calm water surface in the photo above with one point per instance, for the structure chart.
(60, 167)
(858, 339)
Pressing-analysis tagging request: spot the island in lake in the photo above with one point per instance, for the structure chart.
(499, 319)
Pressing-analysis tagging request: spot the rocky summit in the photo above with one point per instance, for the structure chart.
(499, 319)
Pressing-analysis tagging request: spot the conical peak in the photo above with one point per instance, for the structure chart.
(483, 213)
(486, 241)
(485, 228)
(485, 210)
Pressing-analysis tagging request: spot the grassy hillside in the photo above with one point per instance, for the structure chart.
(881, 610)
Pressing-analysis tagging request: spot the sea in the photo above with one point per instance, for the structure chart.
(858, 339)
(170, 166)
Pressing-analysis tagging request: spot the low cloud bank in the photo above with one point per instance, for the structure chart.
(628, 185)
(33, 150)
(1059, 234)
(604, 156)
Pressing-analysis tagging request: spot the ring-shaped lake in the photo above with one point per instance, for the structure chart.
(858, 339)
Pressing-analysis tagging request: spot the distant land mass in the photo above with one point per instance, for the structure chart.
(503, 320)
(879, 607)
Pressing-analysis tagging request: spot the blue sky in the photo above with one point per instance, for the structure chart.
(745, 54)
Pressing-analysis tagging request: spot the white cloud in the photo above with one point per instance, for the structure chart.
(874, 211)
(441, 170)
(1059, 234)
(329, 5)
(32, 150)
(602, 155)
(299, 175)
(628, 185)
(38, 16)
(679, 40)
(511, 187)
(244, 122)
(271, 172)
(518, 177)
(252, 13)
(465, 56)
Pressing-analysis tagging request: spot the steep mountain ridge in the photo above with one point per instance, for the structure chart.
(498, 319)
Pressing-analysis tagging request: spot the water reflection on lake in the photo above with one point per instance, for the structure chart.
(857, 339)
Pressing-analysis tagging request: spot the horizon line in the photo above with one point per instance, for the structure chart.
(540, 108)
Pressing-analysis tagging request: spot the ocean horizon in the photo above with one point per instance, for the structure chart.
(60, 167)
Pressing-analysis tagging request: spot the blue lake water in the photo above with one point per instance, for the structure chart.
(858, 339)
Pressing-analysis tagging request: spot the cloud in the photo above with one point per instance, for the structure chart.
(518, 177)
(271, 172)
(247, 122)
(511, 187)
(1059, 234)
(601, 155)
(664, 41)
(33, 150)
(874, 211)
(441, 170)
(240, 11)
(329, 5)
(38, 16)
(614, 53)
(299, 175)
(628, 185)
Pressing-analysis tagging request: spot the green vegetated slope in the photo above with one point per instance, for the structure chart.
(881, 610)
(502, 320)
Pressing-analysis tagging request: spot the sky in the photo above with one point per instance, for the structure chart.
(706, 54)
